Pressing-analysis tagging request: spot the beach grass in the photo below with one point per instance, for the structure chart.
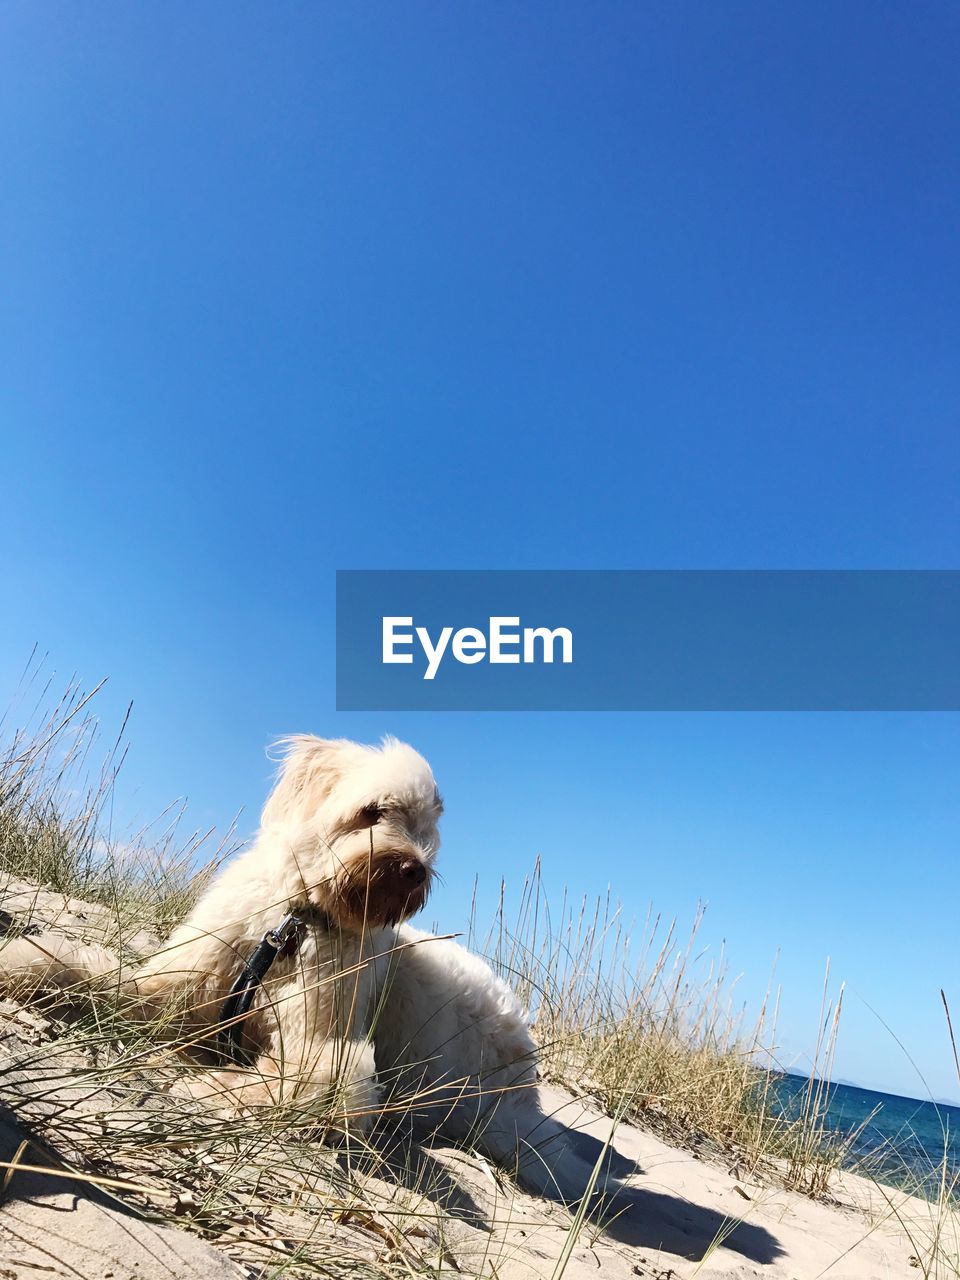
(635, 1018)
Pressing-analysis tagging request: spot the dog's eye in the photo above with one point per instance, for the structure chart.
(369, 815)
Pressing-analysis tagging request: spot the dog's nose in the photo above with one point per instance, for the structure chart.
(413, 872)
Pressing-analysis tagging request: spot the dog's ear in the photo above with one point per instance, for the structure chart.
(309, 770)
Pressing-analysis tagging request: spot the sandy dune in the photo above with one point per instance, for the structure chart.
(683, 1216)
(678, 1215)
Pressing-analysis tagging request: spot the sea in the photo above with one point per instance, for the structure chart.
(905, 1142)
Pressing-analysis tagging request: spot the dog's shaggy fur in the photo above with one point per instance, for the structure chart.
(367, 1006)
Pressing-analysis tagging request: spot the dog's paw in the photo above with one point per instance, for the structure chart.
(558, 1171)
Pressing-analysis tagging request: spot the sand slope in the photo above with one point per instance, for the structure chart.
(684, 1216)
(437, 1209)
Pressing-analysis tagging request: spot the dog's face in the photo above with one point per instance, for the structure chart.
(362, 824)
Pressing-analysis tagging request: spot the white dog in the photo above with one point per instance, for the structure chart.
(355, 1004)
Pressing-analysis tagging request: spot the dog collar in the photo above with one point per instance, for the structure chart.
(283, 941)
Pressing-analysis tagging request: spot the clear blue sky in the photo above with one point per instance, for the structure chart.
(295, 287)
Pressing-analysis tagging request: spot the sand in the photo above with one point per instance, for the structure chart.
(680, 1214)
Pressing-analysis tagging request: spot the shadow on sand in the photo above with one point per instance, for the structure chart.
(396, 1156)
(635, 1216)
(656, 1221)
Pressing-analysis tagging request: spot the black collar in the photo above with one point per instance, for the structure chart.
(283, 941)
(279, 943)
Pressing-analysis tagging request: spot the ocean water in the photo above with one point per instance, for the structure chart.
(902, 1141)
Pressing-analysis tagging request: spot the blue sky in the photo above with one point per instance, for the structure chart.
(293, 288)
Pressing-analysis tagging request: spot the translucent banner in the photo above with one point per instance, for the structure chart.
(751, 640)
